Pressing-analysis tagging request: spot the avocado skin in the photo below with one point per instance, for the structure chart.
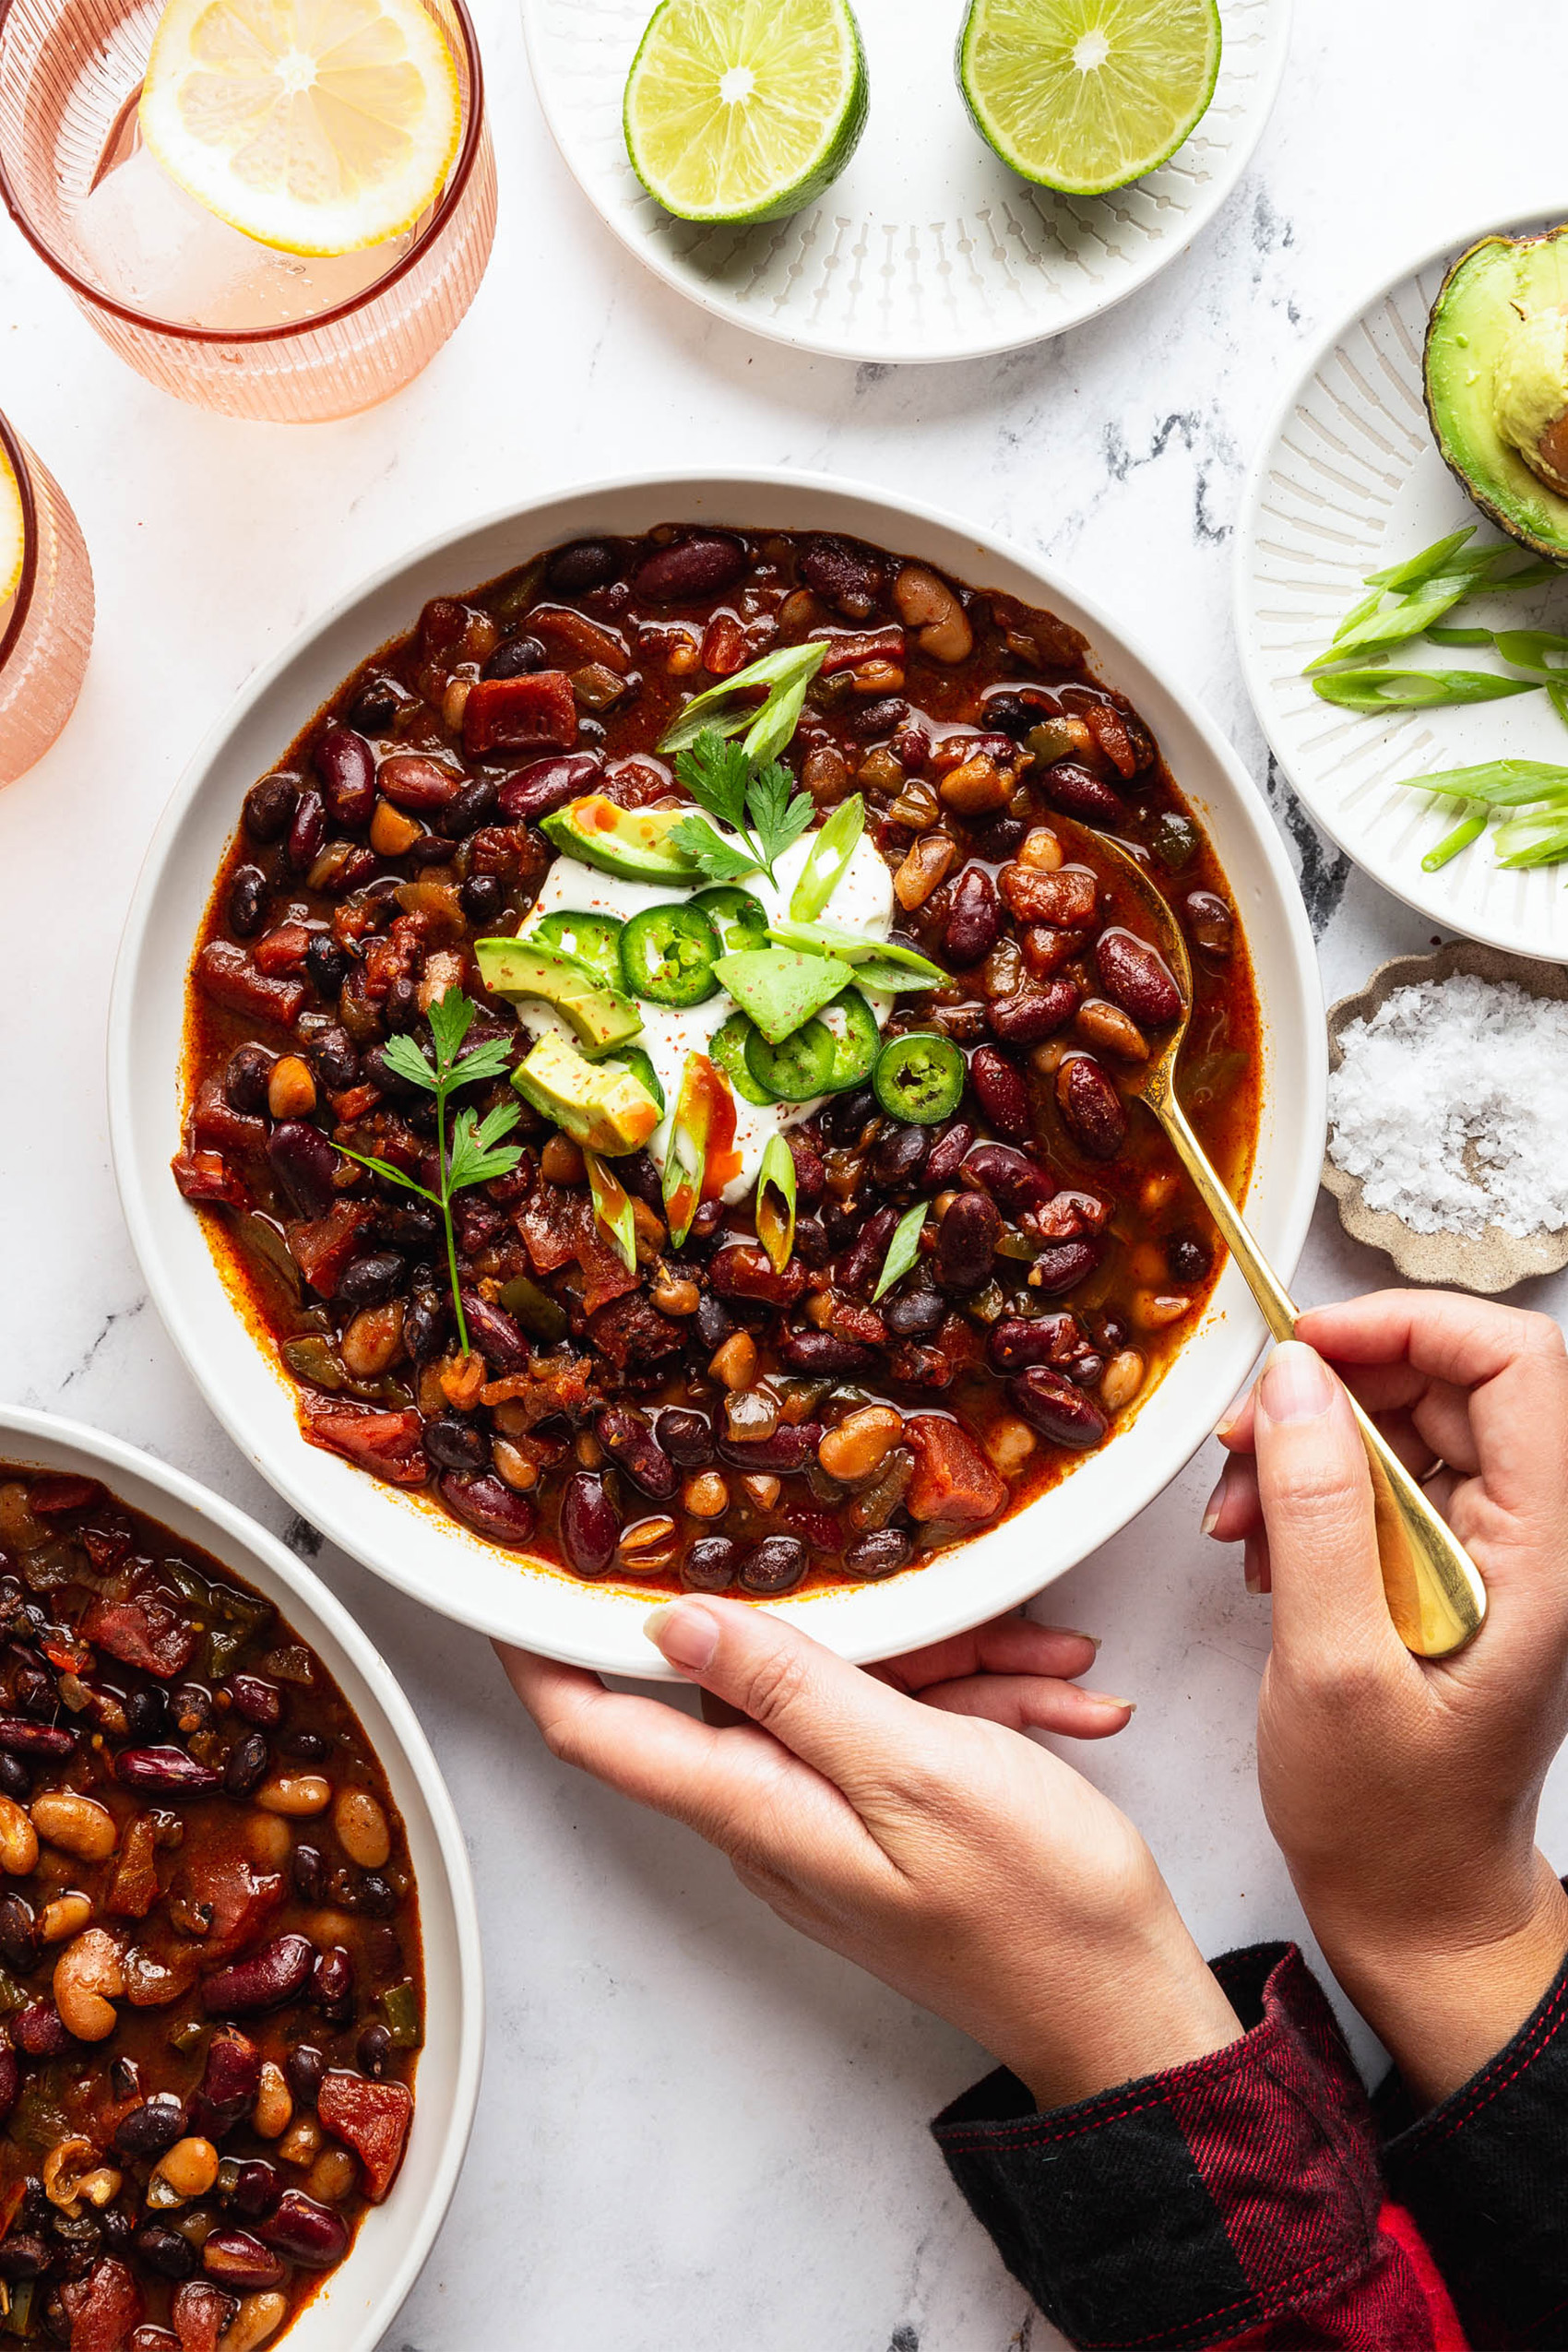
(528, 967)
(1472, 312)
(614, 848)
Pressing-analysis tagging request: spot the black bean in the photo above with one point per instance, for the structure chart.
(846, 1115)
(305, 2068)
(307, 1745)
(388, 1081)
(165, 2251)
(996, 841)
(687, 1437)
(515, 658)
(258, 2185)
(327, 965)
(16, 1780)
(402, 1005)
(585, 564)
(468, 810)
(118, 2227)
(150, 2127)
(247, 901)
(368, 1891)
(372, 2051)
(147, 1712)
(713, 1320)
(882, 716)
(269, 806)
(966, 1241)
(454, 1444)
(1188, 1257)
(307, 1867)
(879, 1554)
(482, 898)
(910, 1314)
(709, 1564)
(245, 1765)
(900, 1155)
(18, 1934)
(375, 708)
(775, 1565)
(369, 1281)
(423, 1325)
(811, 1245)
(244, 1080)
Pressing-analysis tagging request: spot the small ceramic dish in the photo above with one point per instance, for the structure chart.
(360, 2301)
(1494, 1260)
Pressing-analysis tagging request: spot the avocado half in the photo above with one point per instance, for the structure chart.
(1496, 375)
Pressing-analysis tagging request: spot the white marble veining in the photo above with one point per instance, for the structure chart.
(697, 2132)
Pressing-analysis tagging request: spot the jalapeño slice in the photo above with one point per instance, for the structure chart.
(740, 920)
(728, 1048)
(593, 940)
(668, 954)
(918, 1077)
(633, 1058)
(855, 1039)
(797, 1069)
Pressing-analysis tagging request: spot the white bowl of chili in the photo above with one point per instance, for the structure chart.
(399, 1534)
(357, 2301)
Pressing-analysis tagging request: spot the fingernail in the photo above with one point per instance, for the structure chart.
(1296, 1386)
(1252, 1574)
(1105, 1700)
(1215, 1504)
(685, 1632)
(1073, 1633)
(1233, 1412)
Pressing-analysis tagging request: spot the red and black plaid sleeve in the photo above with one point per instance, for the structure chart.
(1485, 2176)
(1236, 2200)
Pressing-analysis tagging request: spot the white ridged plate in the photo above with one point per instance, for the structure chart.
(1349, 480)
(927, 247)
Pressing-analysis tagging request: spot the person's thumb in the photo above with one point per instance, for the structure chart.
(1317, 1495)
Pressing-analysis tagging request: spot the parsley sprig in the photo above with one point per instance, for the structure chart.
(763, 806)
(475, 1154)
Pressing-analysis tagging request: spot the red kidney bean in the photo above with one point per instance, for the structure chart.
(258, 1701)
(304, 1164)
(692, 569)
(346, 766)
(709, 1564)
(1075, 792)
(1210, 924)
(237, 2260)
(945, 1156)
(305, 2232)
(1033, 1014)
(880, 1553)
(1091, 1109)
(590, 1525)
(862, 1262)
(974, 920)
(257, 2187)
(26, 1739)
(843, 573)
(164, 1772)
(899, 1156)
(1017, 1341)
(269, 1978)
(307, 831)
(412, 782)
(1062, 1267)
(1057, 1409)
(269, 807)
(40, 2031)
(824, 1352)
(788, 1449)
(585, 564)
(332, 1985)
(1003, 1096)
(744, 1270)
(966, 1241)
(10, 2079)
(775, 1565)
(489, 1506)
(625, 1436)
(1067, 898)
(1014, 1182)
(492, 1330)
(810, 1175)
(150, 2127)
(545, 784)
(687, 1436)
(1134, 976)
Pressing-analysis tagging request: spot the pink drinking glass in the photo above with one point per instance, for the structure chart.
(46, 634)
(70, 73)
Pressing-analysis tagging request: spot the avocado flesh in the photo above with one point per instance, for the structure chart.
(1497, 375)
(605, 1107)
(633, 843)
(523, 967)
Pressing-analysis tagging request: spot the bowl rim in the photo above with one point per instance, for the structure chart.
(21, 1426)
(609, 1641)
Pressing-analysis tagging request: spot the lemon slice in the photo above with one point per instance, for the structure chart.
(317, 126)
(12, 533)
(1085, 95)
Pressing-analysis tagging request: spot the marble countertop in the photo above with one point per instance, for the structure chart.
(696, 2130)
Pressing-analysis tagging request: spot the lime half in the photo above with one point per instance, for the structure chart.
(744, 110)
(1085, 95)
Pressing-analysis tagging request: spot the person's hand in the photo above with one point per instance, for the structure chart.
(1403, 1791)
(900, 1818)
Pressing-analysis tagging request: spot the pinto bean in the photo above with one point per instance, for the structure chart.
(1077, 791)
(266, 1981)
(1091, 1109)
(974, 920)
(966, 1241)
(625, 1436)
(1033, 1013)
(346, 766)
(1134, 976)
(87, 1981)
(925, 863)
(1067, 898)
(1003, 1096)
(546, 784)
(698, 566)
(1058, 1409)
(928, 605)
(489, 1506)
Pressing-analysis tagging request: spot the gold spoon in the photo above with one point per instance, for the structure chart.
(1435, 1593)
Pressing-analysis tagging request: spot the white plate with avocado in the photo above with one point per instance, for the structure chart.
(1350, 481)
(927, 245)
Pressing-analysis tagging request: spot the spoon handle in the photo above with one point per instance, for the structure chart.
(1435, 1591)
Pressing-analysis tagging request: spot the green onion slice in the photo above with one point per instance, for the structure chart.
(1470, 829)
(612, 1207)
(1376, 689)
(786, 672)
(832, 847)
(776, 1223)
(1501, 783)
(903, 1249)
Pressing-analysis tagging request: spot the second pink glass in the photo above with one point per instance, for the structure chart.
(46, 626)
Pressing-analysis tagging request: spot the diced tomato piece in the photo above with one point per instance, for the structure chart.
(371, 2118)
(53, 1495)
(849, 651)
(390, 1444)
(607, 1273)
(281, 950)
(243, 1899)
(215, 1122)
(66, 1655)
(355, 1102)
(518, 714)
(145, 1631)
(322, 1246)
(548, 1226)
(953, 1481)
(133, 1890)
(205, 1176)
(105, 2307)
(200, 2312)
(227, 974)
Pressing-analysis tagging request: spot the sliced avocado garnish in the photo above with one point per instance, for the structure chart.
(782, 987)
(1497, 383)
(633, 843)
(525, 967)
(600, 1105)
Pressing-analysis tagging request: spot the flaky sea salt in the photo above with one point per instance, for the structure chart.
(1451, 1106)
